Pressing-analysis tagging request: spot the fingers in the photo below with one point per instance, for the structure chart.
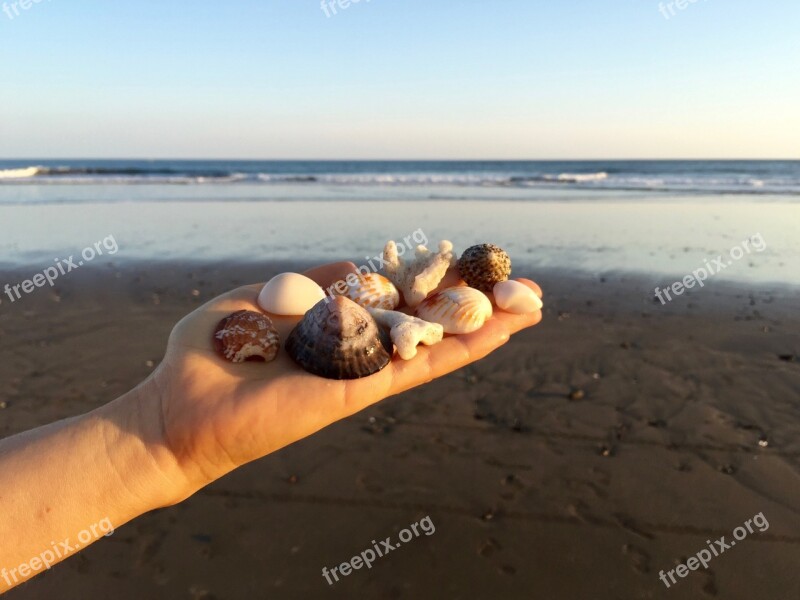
(328, 275)
(516, 323)
(242, 298)
(450, 279)
(324, 276)
(533, 285)
(447, 356)
(454, 352)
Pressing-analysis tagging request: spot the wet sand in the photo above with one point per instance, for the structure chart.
(606, 444)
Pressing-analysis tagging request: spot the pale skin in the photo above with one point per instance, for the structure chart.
(194, 420)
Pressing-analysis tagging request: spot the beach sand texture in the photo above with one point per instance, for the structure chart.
(536, 490)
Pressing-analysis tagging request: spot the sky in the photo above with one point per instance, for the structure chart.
(405, 79)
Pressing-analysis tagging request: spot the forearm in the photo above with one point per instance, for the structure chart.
(81, 476)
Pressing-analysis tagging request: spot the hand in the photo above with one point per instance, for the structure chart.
(216, 416)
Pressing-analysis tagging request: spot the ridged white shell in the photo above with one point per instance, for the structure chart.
(290, 294)
(458, 309)
(374, 291)
(515, 297)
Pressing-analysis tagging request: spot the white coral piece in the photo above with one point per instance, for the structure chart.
(407, 332)
(419, 276)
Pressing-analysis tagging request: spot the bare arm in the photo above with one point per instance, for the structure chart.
(69, 483)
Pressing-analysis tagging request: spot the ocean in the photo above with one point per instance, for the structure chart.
(663, 219)
(319, 179)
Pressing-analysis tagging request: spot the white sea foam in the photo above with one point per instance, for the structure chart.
(19, 173)
(582, 177)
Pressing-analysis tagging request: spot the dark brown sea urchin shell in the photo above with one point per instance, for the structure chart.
(484, 265)
(338, 339)
(246, 335)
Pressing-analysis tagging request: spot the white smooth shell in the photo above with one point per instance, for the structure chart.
(515, 297)
(458, 309)
(290, 294)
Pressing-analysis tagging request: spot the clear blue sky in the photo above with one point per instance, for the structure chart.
(400, 79)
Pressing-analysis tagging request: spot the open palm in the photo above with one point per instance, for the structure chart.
(219, 415)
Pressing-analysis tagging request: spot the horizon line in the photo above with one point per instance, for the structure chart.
(207, 159)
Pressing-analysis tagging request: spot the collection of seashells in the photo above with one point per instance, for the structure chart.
(353, 332)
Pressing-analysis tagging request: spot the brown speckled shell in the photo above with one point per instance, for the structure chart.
(246, 336)
(338, 339)
(484, 265)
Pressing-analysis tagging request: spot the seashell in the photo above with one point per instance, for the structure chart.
(515, 297)
(373, 290)
(408, 332)
(484, 265)
(289, 294)
(418, 276)
(246, 335)
(338, 339)
(458, 309)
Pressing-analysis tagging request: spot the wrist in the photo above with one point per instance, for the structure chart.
(137, 450)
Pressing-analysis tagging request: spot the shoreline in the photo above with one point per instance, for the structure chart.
(586, 237)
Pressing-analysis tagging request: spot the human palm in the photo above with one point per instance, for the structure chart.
(218, 415)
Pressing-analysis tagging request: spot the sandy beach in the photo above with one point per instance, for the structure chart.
(581, 459)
